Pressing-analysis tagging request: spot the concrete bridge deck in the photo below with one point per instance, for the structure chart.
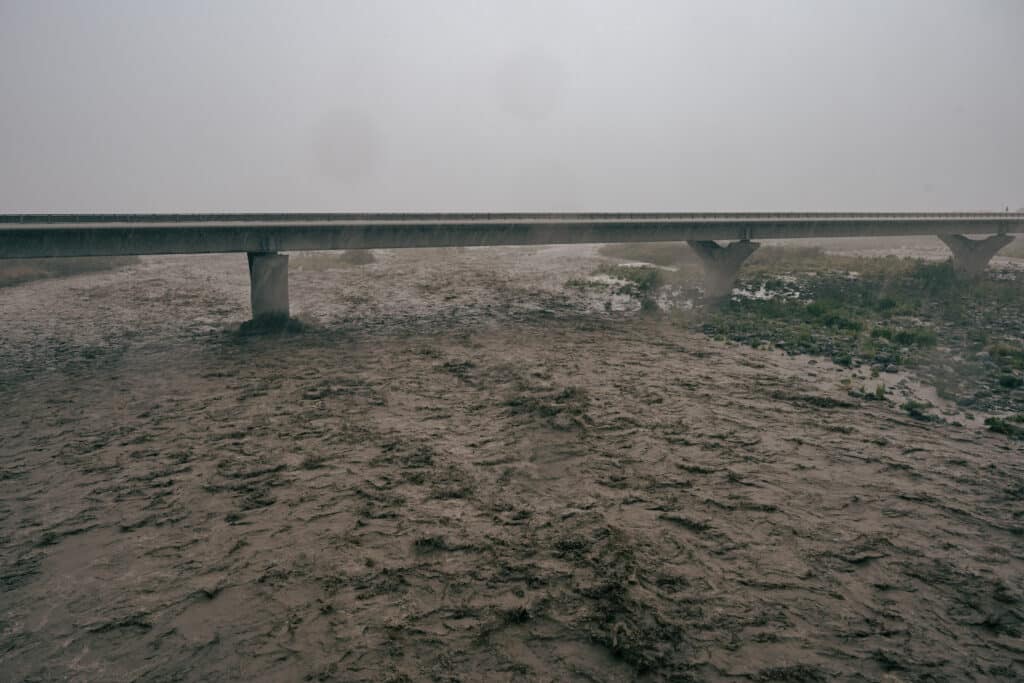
(39, 235)
(262, 235)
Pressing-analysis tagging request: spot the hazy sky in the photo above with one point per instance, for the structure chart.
(152, 105)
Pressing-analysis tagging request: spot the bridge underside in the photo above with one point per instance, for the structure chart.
(261, 236)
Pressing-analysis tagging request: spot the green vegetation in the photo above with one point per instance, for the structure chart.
(640, 281)
(1011, 426)
(17, 271)
(583, 283)
(914, 336)
(774, 260)
(966, 338)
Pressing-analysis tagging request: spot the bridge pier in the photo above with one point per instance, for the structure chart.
(721, 264)
(971, 257)
(268, 281)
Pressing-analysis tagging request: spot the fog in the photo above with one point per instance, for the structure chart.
(511, 106)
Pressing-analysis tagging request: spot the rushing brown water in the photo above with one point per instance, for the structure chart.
(465, 471)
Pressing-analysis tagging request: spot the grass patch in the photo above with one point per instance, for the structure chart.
(640, 281)
(1008, 356)
(913, 336)
(18, 271)
(1012, 426)
(964, 338)
(583, 283)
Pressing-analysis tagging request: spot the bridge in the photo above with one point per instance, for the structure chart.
(263, 235)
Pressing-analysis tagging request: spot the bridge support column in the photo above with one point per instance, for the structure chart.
(721, 264)
(268, 280)
(971, 257)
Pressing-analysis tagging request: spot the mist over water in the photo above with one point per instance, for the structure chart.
(526, 106)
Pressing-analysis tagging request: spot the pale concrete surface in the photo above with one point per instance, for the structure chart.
(38, 236)
(268, 276)
(971, 257)
(721, 264)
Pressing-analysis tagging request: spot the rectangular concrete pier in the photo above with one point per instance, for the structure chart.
(268, 280)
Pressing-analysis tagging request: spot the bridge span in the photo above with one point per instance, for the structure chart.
(263, 235)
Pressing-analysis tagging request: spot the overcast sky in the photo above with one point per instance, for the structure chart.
(151, 105)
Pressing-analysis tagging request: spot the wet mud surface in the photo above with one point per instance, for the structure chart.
(466, 471)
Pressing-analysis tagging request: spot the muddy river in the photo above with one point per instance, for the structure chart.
(464, 470)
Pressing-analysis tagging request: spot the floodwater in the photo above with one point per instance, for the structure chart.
(466, 471)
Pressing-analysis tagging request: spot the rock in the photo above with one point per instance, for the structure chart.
(891, 368)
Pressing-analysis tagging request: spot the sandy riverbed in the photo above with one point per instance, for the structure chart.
(466, 471)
